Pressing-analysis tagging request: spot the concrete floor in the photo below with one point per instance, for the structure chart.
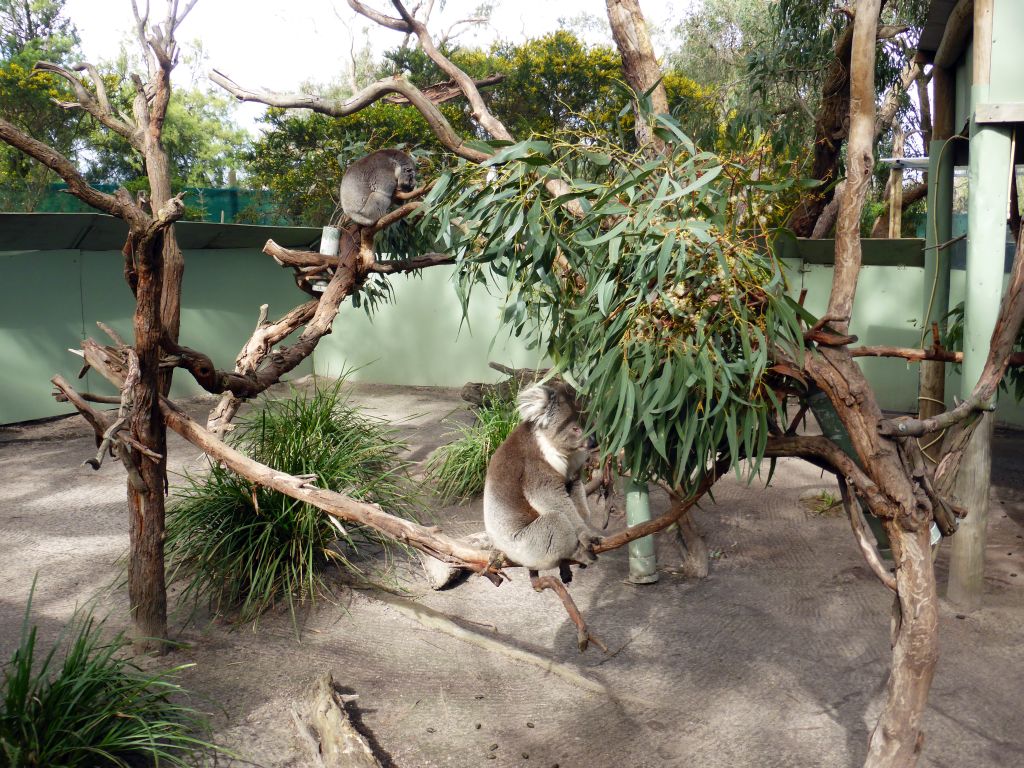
(779, 658)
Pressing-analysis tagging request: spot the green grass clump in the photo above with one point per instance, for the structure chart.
(459, 468)
(245, 547)
(94, 708)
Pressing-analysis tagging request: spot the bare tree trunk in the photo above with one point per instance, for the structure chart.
(629, 28)
(146, 588)
(897, 739)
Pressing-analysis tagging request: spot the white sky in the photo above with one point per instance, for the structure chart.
(279, 44)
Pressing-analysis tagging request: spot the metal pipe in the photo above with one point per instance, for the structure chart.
(643, 564)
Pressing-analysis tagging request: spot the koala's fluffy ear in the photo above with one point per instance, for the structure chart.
(535, 404)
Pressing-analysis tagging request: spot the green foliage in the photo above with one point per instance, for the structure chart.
(93, 707)
(246, 547)
(668, 312)
(458, 469)
(31, 32)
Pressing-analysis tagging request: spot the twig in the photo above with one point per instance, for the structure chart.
(859, 526)
(583, 635)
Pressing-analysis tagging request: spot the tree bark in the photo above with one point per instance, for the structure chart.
(629, 28)
(897, 738)
(146, 588)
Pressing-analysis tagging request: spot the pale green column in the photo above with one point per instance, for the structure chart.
(989, 173)
(643, 565)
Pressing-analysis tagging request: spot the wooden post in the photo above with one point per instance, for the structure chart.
(896, 189)
(990, 166)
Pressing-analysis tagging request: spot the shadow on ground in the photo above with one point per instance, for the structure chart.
(779, 658)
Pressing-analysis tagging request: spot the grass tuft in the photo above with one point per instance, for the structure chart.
(244, 548)
(458, 469)
(94, 708)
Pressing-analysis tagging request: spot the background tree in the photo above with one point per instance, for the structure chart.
(29, 32)
(204, 144)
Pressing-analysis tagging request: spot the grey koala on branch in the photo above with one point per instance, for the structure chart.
(369, 184)
(535, 505)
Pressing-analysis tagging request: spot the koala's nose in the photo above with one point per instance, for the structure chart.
(591, 443)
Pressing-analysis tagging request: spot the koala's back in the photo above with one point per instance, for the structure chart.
(369, 183)
(516, 464)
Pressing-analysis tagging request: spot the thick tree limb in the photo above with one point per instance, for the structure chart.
(629, 28)
(337, 505)
(821, 451)
(118, 205)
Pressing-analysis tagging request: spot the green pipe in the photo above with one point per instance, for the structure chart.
(643, 564)
(938, 230)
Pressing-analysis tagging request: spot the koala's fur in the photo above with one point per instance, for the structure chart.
(370, 183)
(535, 505)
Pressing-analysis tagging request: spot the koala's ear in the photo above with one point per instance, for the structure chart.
(535, 404)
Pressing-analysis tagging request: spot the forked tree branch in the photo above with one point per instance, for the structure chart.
(438, 123)
(98, 106)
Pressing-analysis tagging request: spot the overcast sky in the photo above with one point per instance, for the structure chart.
(279, 44)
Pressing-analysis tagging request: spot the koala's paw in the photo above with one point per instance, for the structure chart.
(585, 551)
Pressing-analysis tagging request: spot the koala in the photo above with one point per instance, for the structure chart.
(535, 505)
(370, 183)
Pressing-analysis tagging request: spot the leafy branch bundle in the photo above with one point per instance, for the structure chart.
(647, 276)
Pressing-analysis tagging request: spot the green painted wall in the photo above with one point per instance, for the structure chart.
(50, 299)
(887, 311)
(422, 339)
(1007, 53)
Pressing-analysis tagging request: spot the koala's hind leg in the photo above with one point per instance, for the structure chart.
(583, 635)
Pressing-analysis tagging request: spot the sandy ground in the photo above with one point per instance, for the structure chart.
(778, 659)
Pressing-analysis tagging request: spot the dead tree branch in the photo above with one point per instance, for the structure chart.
(374, 92)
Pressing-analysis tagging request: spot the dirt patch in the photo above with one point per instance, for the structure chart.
(778, 659)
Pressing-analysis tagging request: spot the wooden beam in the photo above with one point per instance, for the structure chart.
(1012, 112)
(956, 34)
